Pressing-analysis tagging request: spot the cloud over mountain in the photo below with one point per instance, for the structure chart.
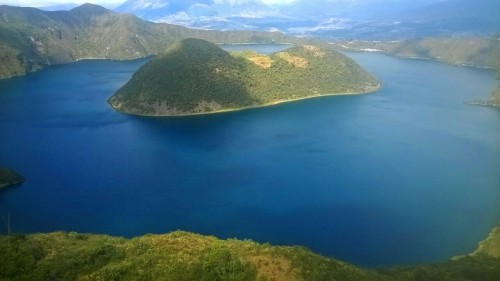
(197, 13)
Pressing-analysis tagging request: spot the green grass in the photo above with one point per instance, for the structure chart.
(187, 256)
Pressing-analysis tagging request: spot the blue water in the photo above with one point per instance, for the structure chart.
(406, 175)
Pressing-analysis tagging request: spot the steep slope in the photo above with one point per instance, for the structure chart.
(186, 256)
(195, 76)
(31, 39)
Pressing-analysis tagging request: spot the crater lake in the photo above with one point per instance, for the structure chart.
(405, 175)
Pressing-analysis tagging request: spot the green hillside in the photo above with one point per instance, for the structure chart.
(195, 76)
(31, 39)
(478, 51)
(185, 256)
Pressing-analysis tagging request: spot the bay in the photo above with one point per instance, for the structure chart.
(406, 175)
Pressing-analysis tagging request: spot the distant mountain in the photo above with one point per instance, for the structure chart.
(320, 10)
(220, 14)
(446, 18)
(360, 19)
(454, 9)
(456, 17)
(195, 77)
(31, 39)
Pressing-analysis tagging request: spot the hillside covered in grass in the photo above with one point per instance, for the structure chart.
(195, 76)
(186, 256)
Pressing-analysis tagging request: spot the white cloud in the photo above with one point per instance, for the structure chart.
(277, 1)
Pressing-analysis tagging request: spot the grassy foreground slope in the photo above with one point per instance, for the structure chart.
(195, 76)
(186, 256)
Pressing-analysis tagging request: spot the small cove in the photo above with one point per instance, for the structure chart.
(405, 175)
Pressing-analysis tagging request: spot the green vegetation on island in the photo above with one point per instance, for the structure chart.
(186, 256)
(195, 76)
(9, 177)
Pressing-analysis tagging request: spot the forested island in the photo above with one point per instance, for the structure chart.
(195, 76)
(186, 256)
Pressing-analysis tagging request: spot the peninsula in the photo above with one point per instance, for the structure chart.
(9, 177)
(195, 76)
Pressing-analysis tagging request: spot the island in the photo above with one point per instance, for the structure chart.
(9, 177)
(195, 76)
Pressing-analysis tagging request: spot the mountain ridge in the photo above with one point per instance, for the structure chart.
(32, 39)
(368, 19)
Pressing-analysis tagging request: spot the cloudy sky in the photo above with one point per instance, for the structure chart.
(106, 3)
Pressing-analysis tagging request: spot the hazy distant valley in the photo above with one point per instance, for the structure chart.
(370, 19)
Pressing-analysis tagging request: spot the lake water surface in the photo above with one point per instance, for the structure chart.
(405, 175)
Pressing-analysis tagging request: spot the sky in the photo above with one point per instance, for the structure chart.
(105, 3)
